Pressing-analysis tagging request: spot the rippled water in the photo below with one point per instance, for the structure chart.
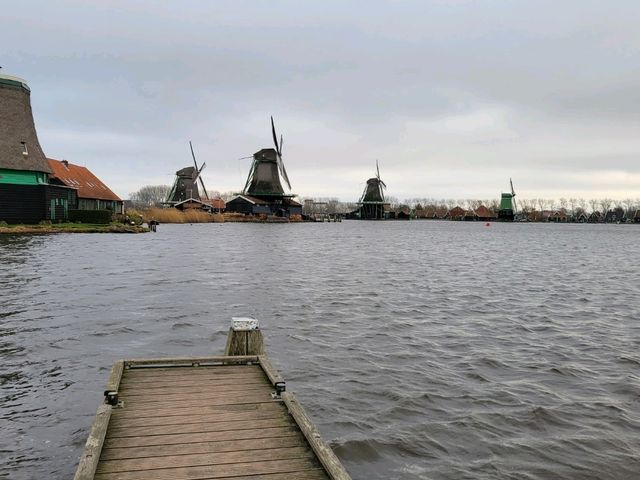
(429, 350)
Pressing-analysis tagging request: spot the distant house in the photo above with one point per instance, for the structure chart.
(482, 213)
(558, 216)
(248, 205)
(581, 217)
(92, 194)
(614, 216)
(456, 213)
(632, 216)
(595, 217)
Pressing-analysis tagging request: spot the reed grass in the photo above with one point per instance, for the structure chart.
(172, 215)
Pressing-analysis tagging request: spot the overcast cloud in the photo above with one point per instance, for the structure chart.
(452, 97)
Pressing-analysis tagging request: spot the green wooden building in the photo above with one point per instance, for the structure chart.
(25, 193)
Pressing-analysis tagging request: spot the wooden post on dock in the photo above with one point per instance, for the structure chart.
(244, 338)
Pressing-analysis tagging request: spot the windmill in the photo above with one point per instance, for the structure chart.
(372, 201)
(508, 207)
(267, 167)
(185, 186)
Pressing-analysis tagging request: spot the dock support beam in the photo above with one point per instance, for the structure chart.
(244, 338)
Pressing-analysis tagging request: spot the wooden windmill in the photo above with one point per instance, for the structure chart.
(372, 202)
(185, 186)
(508, 207)
(267, 167)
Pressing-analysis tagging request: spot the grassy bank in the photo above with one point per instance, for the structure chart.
(72, 228)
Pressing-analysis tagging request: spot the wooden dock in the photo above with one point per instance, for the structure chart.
(227, 417)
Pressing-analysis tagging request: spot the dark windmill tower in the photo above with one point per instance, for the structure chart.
(372, 201)
(507, 211)
(25, 193)
(185, 186)
(263, 191)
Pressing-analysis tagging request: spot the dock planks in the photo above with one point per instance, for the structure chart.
(188, 422)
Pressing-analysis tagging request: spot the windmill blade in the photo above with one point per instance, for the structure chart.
(281, 142)
(193, 155)
(206, 194)
(196, 173)
(283, 171)
(513, 192)
(250, 176)
(377, 170)
(275, 137)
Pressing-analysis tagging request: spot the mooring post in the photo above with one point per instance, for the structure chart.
(244, 338)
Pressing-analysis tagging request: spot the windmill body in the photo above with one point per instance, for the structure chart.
(372, 203)
(184, 186)
(508, 208)
(263, 192)
(185, 192)
(264, 177)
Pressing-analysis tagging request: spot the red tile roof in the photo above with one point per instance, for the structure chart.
(88, 185)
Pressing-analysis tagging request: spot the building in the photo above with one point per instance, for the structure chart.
(263, 192)
(26, 195)
(91, 192)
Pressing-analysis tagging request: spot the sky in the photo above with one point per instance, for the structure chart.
(452, 98)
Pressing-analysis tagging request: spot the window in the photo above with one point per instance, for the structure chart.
(24, 148)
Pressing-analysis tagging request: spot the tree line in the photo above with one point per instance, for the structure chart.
(155, 195)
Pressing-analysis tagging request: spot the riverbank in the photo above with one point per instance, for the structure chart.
(72, 228)
(171, 215)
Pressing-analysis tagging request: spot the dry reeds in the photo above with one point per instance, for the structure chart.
(172, 215)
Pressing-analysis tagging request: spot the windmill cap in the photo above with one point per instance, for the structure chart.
(13, 81)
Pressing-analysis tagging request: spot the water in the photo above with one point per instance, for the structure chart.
(428, 350)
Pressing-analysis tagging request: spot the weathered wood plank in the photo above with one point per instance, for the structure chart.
(91, 456)
(202, 459)
(113, 383)
(182, 370)
(189, 361)
(316, 474)
(266, 410)
(171, 391)
(324, 453)
(200, 427)
(272, 373)
(211, 408)
(197, 437)
(170, 398)
(217, 471)
(289, 439)
(189, 383)
(146, 403)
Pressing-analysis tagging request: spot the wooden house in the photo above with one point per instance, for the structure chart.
(595, 217)
(92, 193)
(482, 213)
(26, 196)
(456, 213)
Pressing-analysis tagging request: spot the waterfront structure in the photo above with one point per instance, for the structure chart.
(219, 417)
(508, 206)
(456, 213)
(89, 191)
(184, 193)
(26, 196)
(372, 204)
(263, 187)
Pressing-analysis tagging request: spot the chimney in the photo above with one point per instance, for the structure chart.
(65, 163)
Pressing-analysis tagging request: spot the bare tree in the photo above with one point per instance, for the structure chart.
(593, 203)
(150, 195)
(605, 203)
